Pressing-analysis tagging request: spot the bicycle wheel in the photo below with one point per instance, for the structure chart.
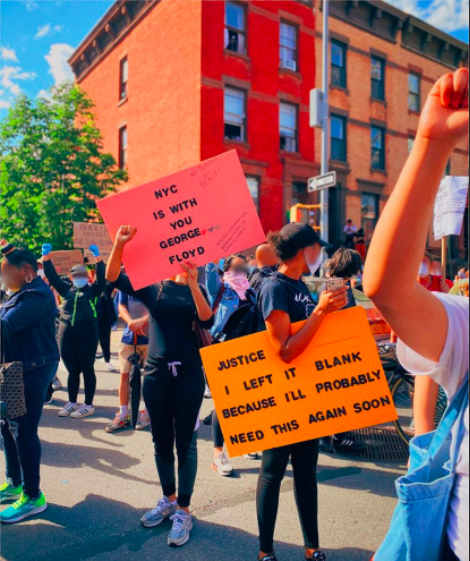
(402, 393)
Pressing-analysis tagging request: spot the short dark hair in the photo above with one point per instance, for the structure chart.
(345, 263)
(228, 262)
(21, 256)
(283, 247)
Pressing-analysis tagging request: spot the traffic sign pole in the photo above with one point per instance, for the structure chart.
(324, 194)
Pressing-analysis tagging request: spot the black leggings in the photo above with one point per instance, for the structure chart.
(448, 554)
(104, 327)
(78, 351)
(217, 434)
(304, 457)
(173, 403)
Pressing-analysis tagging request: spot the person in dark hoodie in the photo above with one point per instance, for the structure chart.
(27, 318)
(78, 331)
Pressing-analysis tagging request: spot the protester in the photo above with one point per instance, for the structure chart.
(359, 243)
(107, 317)
(78, 330)
(433, 329)
(350, 230)
(174, 382)
(345, 264)
(134, 341)
(28, 335)
(268, 263)
(428, 280)
(284, 300)
(252, 263)
(226, 295)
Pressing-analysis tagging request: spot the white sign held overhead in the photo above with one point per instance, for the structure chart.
(322, 182)
(449, 209)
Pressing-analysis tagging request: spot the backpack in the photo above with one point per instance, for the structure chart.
(243, 322)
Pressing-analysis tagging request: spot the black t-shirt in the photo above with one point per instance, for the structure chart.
(172, 315)
(286, 295)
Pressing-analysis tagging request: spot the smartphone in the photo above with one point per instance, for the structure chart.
(334, 284)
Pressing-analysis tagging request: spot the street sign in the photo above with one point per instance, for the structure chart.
(322, 182)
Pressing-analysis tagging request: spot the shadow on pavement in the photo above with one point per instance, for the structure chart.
(105, 530)
(109, 462)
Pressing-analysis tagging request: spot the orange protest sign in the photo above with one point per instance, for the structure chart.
(200, 214)
(337, 385)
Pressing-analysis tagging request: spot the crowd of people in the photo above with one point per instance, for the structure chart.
(167, 324)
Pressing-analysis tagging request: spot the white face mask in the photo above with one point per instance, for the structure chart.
(423, 270)
(314, 266)
(41, 274)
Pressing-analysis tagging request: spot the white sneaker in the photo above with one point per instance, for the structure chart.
(56, 384)
(111, 368)
(254, 456)
(222, 465)
(181, 529)
(144, 420)
(83, 411)
(163, 511)
(68, 410)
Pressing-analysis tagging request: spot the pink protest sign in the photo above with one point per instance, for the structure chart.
(201, 214)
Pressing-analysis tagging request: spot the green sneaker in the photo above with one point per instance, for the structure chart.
(23, 508)
(10, 493)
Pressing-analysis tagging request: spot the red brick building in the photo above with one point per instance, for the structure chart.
(176, 82)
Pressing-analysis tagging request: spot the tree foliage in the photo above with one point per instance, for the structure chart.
(52, 168)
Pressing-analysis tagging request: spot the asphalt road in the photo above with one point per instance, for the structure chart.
(99, 485)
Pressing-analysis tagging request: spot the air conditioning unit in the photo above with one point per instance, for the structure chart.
(289, 64)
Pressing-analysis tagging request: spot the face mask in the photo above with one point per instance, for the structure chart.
(252, 269)
(237, 282)
(313, 267)
(424, 270)
(41, 274)
(80, 283)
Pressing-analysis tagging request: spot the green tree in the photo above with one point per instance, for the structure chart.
(52, 169)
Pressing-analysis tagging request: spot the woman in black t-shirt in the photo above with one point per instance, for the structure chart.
(284, 300)
(174, 382)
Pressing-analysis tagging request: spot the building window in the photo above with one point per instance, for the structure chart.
(123, 147)
(235, 28)
(289, 54)
(234, 114)
(378, 78)
(288, 127)
(338, 138)
(338, 64)
(299, 194)
(253, 186)
(369, 213)
(123, 78)
(411, 143)
(414, 92)
(378, 148)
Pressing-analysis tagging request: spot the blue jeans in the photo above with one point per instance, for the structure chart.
(20, 438)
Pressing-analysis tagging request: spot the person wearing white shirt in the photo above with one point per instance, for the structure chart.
(433, 328)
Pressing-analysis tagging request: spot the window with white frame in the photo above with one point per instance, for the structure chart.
(234, 114)
(235, 28)
(288, 127)
(253, 186)
(288, 46)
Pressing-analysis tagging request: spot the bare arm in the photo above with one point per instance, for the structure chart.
(425, 404)
(124, 236)
(400, 237)
(290, 346)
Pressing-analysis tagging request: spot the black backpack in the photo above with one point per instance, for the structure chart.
(244, 321)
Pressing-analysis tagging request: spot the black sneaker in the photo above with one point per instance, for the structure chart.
(346, 445)
(208, 420)
(318, 556)
(326, 445)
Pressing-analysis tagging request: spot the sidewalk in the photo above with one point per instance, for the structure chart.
(99, 485)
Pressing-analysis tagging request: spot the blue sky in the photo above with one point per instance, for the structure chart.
(38, 36)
